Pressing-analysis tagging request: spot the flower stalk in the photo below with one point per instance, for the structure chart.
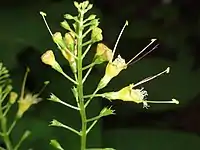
(74, 48)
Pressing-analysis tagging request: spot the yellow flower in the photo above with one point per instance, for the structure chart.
(69, 40)
(129, 93)
(103, 53)
(112, 70)
(58, 39)
(67, 47)
(25, 103)
(49, 59)
(26, 100)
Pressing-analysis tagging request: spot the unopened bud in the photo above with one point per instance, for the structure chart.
(13, 97)
(96, 35)
(103, 53)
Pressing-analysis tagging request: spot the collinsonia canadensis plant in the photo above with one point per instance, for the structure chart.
(74, 46)
(7, 99)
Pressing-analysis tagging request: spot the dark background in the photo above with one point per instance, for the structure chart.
(176, 25)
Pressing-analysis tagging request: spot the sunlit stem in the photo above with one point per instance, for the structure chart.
(86, 75)
(68, 105)
(90, 29)
(86, 24)
(87, 43)
(120, 34)
(152, 77)
(69, 78)
(70, 129)
(24, 83)
(5, 106)
(12, 125)
(94, 118)
(91, 97)
(86, 51)
(7, 109)
(91, 126)
(173, 101)
(152, 41)
(89, 66)
(5, 94)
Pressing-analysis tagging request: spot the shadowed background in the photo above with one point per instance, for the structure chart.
(24, 37)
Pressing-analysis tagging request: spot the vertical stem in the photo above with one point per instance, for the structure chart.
(80, 84)
(4, 130)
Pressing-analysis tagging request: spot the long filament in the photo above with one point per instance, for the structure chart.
(152, 41)
(120, 34)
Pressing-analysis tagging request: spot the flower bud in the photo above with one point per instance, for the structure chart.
(112, 70)
(91, 17)
(76, 4)
(68, 16)
(58, 39)
(106, 111)
(56, 145)
(103, 53)
(96, 35)
(13, 97)
(70, 58)
(89, 6)
(85, 4)
(69, 40)
(94, 23)
(49, 59)
(65, 25)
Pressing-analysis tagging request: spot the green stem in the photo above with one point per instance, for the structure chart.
(5, 136)
(80, 84)
(12, 125)
(89, 66)
(91, 126)
(86, 75)
(92, 96)
(86, 51)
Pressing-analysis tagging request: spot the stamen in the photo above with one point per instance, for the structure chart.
(173, 101)
(152, 41)
(43, 16)
(145, 102)
(145, 105)
(44, 86)
(24, 83)
(143, 55)
(120, 34)
(152, 77)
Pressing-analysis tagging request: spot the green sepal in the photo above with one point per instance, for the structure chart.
(56, 144)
